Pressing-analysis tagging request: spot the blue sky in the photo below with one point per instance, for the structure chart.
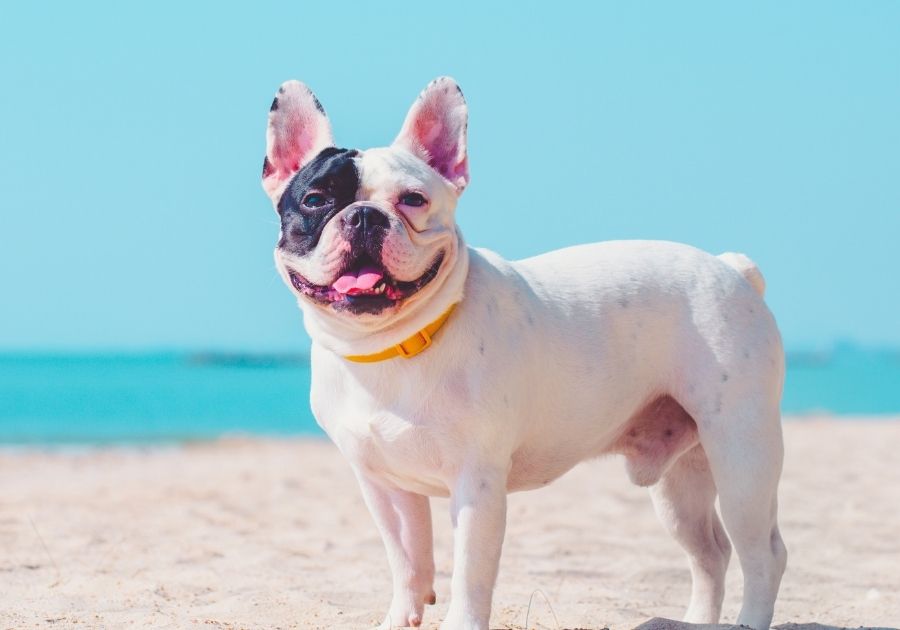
(131, 214)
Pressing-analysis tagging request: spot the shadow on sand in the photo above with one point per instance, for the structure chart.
(659, 623)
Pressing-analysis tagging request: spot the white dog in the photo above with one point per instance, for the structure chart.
(441, 370)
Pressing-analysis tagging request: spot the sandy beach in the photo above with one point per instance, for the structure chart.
(248, 533)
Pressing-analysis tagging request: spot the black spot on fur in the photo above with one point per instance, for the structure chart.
(331, 172)
(724, 377)
(318, 104)
(274, 106)
(267, 167)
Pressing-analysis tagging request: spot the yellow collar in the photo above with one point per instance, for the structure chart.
(409, 347)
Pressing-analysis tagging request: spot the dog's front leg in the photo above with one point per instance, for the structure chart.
(478, 510)
(404, 520)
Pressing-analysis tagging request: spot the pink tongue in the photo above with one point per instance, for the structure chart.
(363, 280)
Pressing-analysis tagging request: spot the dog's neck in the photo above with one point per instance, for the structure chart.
(343, 337)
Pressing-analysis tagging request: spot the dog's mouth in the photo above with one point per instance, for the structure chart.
(364, 286)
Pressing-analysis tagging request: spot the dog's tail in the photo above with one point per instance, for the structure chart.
(746, 268)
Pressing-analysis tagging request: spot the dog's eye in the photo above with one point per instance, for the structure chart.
(315, 200)
(413, 199)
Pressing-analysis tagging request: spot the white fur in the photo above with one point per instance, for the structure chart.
(298, 129)
(547, 362)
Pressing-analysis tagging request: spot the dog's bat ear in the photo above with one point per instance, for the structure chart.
(435, 130)
(298, 130)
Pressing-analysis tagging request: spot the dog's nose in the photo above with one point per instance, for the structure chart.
(366, 219)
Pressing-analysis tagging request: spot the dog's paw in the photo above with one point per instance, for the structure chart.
(456, 620)
(407, 610)
(414, 621)
(403, 620)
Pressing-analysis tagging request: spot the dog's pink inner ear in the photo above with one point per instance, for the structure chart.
(298, 130)
(435, 130)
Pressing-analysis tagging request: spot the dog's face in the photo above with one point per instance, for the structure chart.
(365, 233)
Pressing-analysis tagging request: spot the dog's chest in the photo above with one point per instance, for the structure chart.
(409, 456)
(399, 432)
(389, 447)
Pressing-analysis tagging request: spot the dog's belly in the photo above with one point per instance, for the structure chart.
(415, 459)
(656, 434)
(535, 467)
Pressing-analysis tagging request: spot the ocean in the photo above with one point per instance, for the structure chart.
(174, 396)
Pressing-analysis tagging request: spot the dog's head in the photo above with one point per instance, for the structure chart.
(364, 234)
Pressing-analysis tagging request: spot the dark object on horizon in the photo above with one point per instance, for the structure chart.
(241, 360)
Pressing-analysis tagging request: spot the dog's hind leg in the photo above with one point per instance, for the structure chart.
(745, 455)
(684, 500)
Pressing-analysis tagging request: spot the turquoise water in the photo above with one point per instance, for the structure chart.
(174, 396)
(136, 398)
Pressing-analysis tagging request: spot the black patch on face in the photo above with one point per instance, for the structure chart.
(274, 106)
(332, 173)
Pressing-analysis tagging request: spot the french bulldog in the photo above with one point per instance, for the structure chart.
(444, 370)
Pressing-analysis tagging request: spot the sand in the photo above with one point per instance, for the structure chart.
(248, 533)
